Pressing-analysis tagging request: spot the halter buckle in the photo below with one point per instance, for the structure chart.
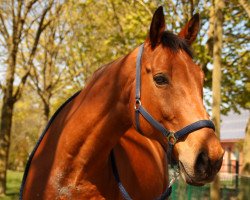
(137, 104)
(171, 138)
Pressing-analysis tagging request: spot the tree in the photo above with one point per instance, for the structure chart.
(244, 188)
(97, 32)
(97, 39)
(235, 77)
(15, 26)
(48, 75)
(216, 81)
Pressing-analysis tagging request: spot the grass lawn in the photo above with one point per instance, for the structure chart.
(13, 185)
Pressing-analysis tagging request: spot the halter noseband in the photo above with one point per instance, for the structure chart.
(139, 109)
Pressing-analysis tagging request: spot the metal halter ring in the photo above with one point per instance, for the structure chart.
(137, 104)
(171, 138)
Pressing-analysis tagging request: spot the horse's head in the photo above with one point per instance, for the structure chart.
(171, 91)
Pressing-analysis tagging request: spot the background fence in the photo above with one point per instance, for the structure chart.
(231, 186)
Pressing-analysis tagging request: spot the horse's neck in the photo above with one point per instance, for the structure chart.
(95, 126)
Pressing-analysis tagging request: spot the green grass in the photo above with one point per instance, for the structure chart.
(179, 189)
(13, 185)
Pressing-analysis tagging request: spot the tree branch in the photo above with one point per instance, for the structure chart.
(21, 20)
(33, 50)
(238, 58)
(191, 7)
(4, 32)
(145, 6)
(246, 6)
(20, 87)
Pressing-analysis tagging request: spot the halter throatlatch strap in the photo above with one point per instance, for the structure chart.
(117, 177)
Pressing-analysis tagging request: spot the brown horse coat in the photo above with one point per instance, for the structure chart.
(73, 159)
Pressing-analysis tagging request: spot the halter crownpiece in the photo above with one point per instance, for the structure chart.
(139, 109)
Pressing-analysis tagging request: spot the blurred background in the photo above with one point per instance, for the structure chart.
(49, 49)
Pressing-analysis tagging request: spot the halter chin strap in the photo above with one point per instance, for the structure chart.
(172, 137)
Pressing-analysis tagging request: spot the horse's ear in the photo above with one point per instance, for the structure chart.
(190, 30)
(157, 27)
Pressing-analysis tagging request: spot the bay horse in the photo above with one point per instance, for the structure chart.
(74, 157)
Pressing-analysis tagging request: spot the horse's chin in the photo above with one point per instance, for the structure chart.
(188, 178)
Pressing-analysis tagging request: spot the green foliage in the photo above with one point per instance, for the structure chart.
(120, 26)
(88, 34)
(235, 80)
(26, 129)
(104, 31)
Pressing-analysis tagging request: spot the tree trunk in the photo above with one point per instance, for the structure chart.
(20, 24)
(6, 120)
(244, 186)
(46, 112)
(216, 83)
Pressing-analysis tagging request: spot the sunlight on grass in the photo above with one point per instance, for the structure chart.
(13, 185)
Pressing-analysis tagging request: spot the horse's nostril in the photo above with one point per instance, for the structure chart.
(202, 162)
(205, 166)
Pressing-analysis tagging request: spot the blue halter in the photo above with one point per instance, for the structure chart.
(172, 137)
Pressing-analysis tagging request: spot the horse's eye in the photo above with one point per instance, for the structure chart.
(161, 79)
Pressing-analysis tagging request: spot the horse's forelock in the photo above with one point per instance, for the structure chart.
(175, 43)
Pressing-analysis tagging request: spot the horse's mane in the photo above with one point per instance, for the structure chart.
(175, 43)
